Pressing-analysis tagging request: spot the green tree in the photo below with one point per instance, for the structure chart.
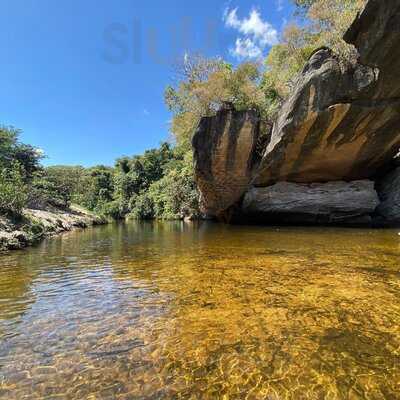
(198, 95)
(136, 174)
(13, 190)
(51, 186)
(142, 206)
(172, 194)
(12, 150)
(175, 196)
(304, 4)
(101, 188)
(329, 20)
(18, 164)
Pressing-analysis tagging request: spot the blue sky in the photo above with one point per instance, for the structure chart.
(84, 79)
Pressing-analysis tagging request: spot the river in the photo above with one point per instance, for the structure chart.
(202, 311)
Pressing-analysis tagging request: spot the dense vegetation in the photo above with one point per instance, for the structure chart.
(19, 164)
(159, 183)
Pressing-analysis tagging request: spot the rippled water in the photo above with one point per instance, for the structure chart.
(175, 310)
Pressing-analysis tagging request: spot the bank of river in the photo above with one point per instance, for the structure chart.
(176, 310)
(35, 225)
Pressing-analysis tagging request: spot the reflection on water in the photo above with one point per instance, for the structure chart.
(174, 310)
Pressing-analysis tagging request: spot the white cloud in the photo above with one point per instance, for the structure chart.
(256, 33)
(279, 5)
(230, 18)
(246, 48)
(146, 112)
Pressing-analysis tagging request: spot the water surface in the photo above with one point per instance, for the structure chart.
(202, 311)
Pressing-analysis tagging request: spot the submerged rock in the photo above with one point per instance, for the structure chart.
(332, 202)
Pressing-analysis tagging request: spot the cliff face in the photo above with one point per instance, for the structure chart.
(338, 125)
(224, 154)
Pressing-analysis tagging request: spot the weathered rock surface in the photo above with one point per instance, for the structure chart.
(389, 193)
(342, 124)
(324, 133)
(376, 35)
(224, 148)
(333, 202)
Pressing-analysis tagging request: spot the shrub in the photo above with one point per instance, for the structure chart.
(34, 230)
(13, 190)
(142, 206)
(134, 175)
(175, 196)
(49, 189)
(111, 209)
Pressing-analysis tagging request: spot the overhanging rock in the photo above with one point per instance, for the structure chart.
(342, 124)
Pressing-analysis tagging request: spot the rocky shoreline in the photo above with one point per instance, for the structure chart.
(35, 225)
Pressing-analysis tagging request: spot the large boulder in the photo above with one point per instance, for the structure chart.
(224, 153)
(389, 193)
(327, 203)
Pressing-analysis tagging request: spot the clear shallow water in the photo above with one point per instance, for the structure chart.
(174, 310)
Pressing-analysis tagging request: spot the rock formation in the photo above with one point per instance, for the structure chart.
(376, 35)
(36, 225)
(224, 148)
(342, 124)
(338, 125)
(326, 131)
(332, 202)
